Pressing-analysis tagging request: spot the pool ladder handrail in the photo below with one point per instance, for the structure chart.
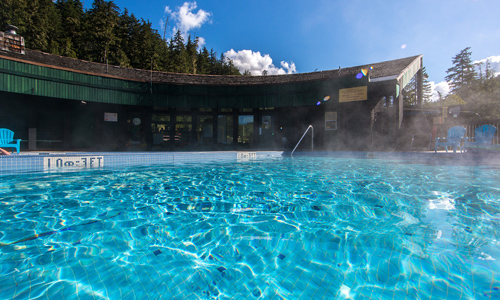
(312, 139)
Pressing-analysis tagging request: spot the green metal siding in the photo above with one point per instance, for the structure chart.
(23, 78)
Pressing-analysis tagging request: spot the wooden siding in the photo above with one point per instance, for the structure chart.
(24, 78)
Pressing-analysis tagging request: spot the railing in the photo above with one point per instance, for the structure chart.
(312, 139)
(471, 127)
(421, 133)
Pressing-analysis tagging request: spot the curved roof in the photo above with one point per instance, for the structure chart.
(380, 70)
(41, 74)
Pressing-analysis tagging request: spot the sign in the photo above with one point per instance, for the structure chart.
(11, 43)
(110, 117)
(246, 156)
(69, 162)
(331, 120)
(353, 94)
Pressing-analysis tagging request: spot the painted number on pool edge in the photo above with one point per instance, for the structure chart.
(73, 162)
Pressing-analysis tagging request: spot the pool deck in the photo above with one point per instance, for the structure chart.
(39, 161)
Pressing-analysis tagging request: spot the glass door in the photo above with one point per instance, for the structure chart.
(225, 129)
(266, 131)
(205, 131)
(245, 130)
(183, 130)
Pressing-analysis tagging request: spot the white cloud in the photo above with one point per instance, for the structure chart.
(201, 42)
(441, 87)
(185, 19)
(494, 63)
(290, 68)
(255, 62)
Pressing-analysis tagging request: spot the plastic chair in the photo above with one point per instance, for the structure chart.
(454, 138)
(483, 136)
(7, 140)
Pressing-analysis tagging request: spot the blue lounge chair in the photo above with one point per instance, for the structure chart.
(454, 138)
(483, 136)
(7, 140)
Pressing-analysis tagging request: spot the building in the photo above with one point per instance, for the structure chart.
(53, 102)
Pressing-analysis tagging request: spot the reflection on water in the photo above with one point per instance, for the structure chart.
(289, 228)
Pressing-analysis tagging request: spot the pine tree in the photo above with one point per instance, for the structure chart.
(191, 47)
(36, 21)
(489, 72)
(463, 72)
(101, 39)
(102, 34)
(14, 12)
(177, 58)
(410, 90)
(69, 33)
(202, 64)
(213, 67)
(427, 88)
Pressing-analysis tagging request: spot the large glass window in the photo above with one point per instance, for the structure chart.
(245, 129)
(224, 129)
(266, 133)
(183, 129)
(205, 130)
(160, 126)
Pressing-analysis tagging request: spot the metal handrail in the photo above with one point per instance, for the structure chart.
(312, 139)
(425, 133)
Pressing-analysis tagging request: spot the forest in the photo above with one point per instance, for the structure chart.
(474, 87)
(107, 34)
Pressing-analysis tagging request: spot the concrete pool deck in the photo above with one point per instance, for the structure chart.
(39, 161)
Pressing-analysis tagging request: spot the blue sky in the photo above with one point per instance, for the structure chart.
(297, 36)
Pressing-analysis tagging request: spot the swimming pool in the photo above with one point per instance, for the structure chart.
(280, 228)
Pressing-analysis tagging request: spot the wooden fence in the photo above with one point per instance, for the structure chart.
(471, 127)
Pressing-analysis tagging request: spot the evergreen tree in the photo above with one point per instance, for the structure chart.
(102, 34)
(463, 72)
(177, 57)
(202, 61)
(128, 30)
(410, 90)
(14, 12)
(36, 20)
(69, 33)
(489, 72)
(151, 47)
(427, 88)
(100, 25)
(229, 68)
(213, 68)
(191, 48)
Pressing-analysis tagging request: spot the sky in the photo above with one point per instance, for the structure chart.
(297, 36)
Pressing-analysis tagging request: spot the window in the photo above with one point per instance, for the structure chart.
(331, 120)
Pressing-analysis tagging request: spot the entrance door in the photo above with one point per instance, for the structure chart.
(245, 130)
(183, 130)
(225, 129)
(266, 132)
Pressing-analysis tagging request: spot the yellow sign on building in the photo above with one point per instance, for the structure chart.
(353, 94)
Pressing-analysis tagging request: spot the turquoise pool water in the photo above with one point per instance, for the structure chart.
(302, 228)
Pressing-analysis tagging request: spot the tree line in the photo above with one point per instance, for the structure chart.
(103, 33)
(473, 86)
